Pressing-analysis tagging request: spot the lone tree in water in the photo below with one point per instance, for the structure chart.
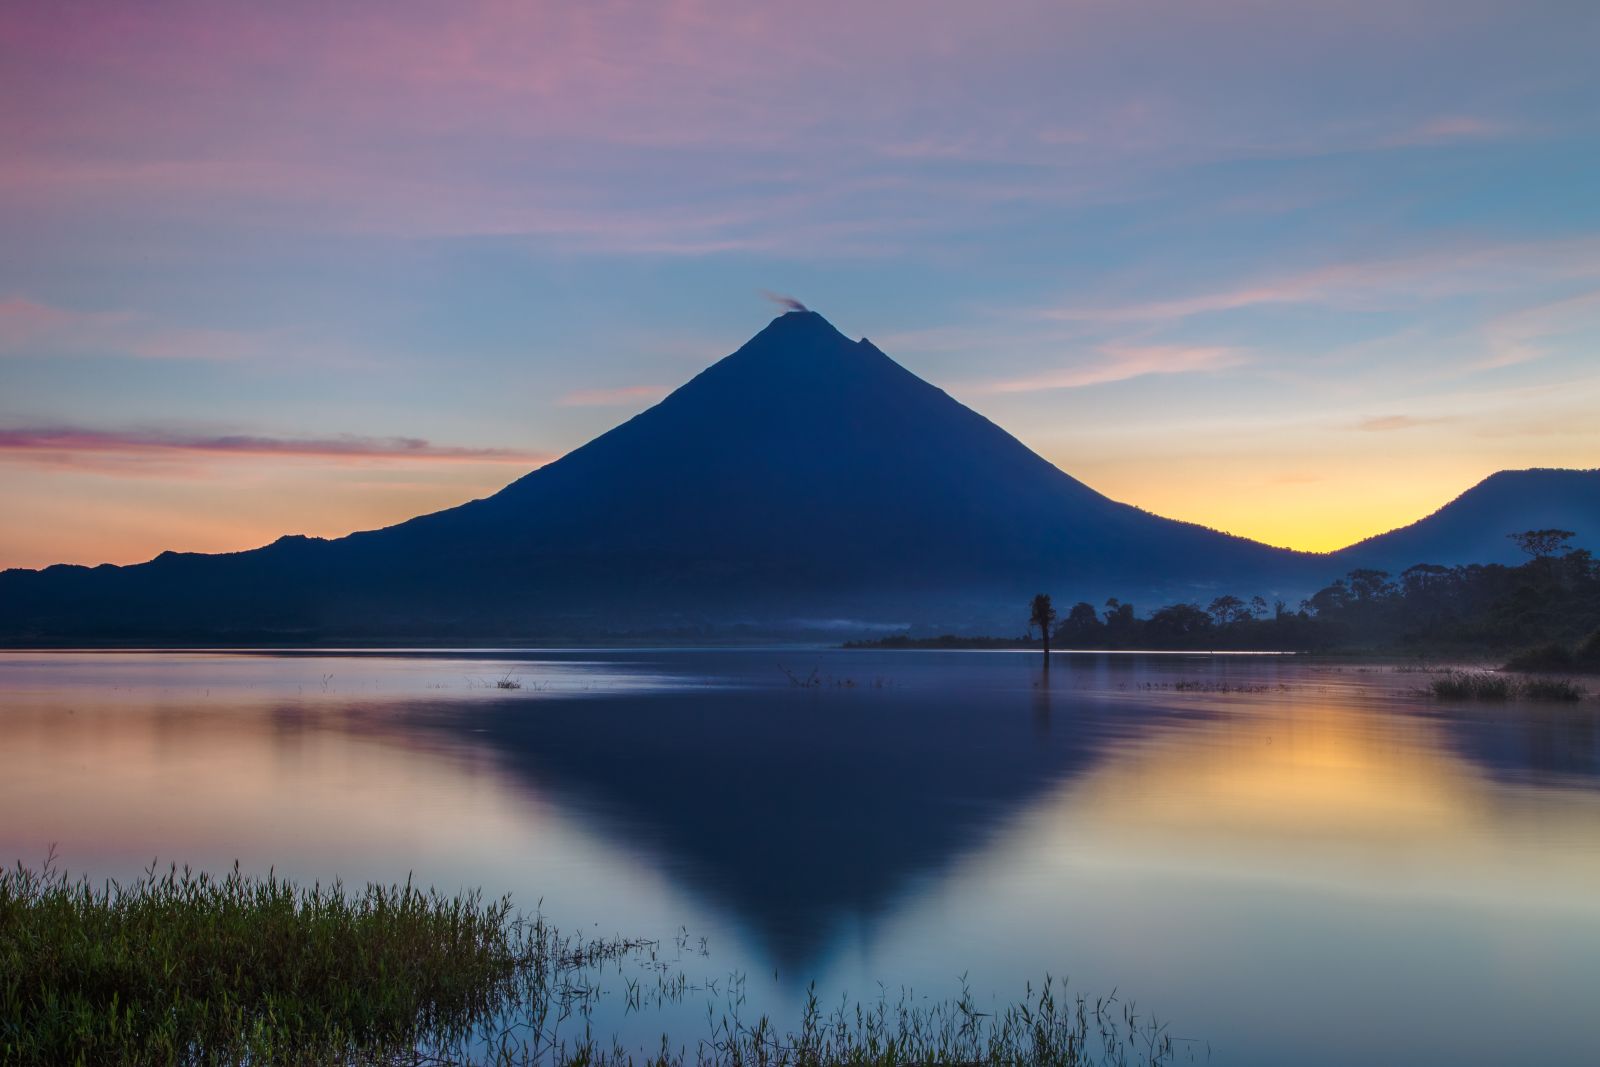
(1042, 613)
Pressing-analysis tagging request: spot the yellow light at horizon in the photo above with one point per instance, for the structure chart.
(1308, 504)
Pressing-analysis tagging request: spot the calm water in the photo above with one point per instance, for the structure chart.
(1289, 863)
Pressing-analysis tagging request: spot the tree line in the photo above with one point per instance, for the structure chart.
(1552, 600)
(1548, 608)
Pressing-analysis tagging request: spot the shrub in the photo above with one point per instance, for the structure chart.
(1556, 689)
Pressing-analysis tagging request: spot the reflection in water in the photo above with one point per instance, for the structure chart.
(797, 809)
(1265, 856)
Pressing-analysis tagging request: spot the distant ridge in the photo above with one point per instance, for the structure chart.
(1473, 527)
(803, 485)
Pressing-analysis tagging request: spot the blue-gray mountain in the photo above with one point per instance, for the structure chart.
(1472, 528)
(807, 483)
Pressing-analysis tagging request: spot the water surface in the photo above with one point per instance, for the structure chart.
(1287, 862)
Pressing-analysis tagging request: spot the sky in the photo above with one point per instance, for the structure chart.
(1299, 271)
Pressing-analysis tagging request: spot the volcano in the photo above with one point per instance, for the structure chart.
(805, 483)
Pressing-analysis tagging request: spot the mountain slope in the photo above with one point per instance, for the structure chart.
(806, 476)
(1472, 528)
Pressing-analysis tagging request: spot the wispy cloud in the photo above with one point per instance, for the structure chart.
(31, 328)
(1121, 362)
(1392, 282)
(66, 446)
(1384, 423)
(1526, 335)
(1448, 128)
(129, 104)
(627, 394)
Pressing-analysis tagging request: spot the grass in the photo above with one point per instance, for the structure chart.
(1047, 1027)
(1471, 685)
(815, 680)
(1487, 685)
(186, 968)
(182, 968)
(1560, 690)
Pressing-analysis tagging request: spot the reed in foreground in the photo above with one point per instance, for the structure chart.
(1484, 685)
(182, 968)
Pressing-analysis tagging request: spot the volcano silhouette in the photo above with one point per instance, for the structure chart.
(805, 481)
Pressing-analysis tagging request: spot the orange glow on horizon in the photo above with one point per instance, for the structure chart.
(1307, 492)
(110, 518)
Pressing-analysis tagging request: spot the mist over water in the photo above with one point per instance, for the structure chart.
(1287, 862)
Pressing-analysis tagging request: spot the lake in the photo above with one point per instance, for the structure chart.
(1284, 861)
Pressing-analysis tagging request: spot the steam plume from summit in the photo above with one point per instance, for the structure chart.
(785, 301)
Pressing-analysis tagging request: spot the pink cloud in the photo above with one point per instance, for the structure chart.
(71, 446)
(1527, 334)
(627, 394)
(31, 329)
(487, 116)
(1378, 283)
(1449, 128)
(28, 327)
(23, 320)
(1122, 362)
(1386, 423)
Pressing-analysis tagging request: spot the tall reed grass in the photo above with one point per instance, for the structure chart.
(182, 968)
(1486, 685)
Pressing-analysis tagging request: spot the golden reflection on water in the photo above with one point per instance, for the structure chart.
(1341, 792)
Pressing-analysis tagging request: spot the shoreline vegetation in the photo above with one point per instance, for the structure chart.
(185, 968)
(1540, 616)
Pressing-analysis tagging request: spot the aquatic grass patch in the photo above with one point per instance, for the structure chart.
(1046, 1027)
(1559, 690)
(1488, 685)
(815, 680)
(183, 967)
(1471, 685)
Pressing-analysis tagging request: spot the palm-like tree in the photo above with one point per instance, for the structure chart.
(1042, 613)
